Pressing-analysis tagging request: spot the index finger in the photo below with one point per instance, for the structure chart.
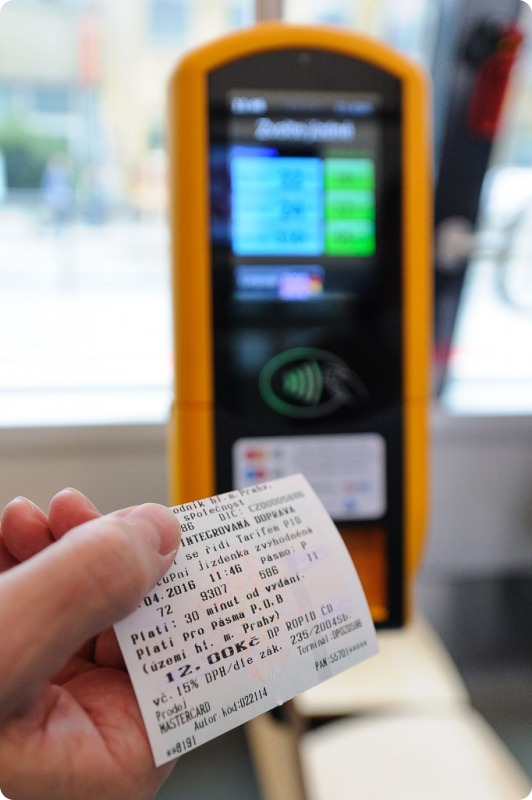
(24, 532)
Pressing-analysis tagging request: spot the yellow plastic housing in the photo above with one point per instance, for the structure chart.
(191, 442)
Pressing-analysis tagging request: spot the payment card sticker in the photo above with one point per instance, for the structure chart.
(347, 470)
(262, 602)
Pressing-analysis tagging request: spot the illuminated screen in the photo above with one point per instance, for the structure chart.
(301, 205)
(294, 191)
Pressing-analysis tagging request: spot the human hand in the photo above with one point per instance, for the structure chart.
(70, 726)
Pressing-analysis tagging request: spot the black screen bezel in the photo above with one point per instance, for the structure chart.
(305, 69)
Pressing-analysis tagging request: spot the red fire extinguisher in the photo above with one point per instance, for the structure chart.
(489, 90)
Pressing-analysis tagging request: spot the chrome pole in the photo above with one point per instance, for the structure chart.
(268, 10)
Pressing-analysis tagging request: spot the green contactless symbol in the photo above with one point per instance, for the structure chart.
(306, 383)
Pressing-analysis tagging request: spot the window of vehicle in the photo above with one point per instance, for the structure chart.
(84, 251)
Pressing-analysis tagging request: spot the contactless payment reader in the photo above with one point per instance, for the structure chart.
(301, 226)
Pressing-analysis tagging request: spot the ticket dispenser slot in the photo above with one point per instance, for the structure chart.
(300, 233)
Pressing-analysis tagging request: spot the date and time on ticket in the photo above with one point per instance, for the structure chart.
(261, 603)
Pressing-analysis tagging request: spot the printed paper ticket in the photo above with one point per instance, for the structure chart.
(262, 602)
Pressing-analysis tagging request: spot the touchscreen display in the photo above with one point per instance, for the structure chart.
(293, 189)
(287, 205)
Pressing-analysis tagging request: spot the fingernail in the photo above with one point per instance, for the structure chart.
(159, 527)
(30, 505)
(89, 505)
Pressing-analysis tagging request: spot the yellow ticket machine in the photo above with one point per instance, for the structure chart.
(301, 221)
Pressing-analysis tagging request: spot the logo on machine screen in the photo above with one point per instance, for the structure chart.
(307, 383)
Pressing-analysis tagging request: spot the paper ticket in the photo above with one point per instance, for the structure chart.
(262, 602)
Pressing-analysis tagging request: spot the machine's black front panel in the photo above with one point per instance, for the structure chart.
(305, 186)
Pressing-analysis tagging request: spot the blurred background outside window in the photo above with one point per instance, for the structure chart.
(490, 364)
(84, 253)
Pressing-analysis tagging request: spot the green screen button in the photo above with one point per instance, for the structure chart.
(349, 237)
(349, 173)
(346, 204)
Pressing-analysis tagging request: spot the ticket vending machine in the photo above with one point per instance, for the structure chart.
(301, 221)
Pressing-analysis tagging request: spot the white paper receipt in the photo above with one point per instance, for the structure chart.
(262, 603)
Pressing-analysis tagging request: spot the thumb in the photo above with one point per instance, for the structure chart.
(73, 590)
